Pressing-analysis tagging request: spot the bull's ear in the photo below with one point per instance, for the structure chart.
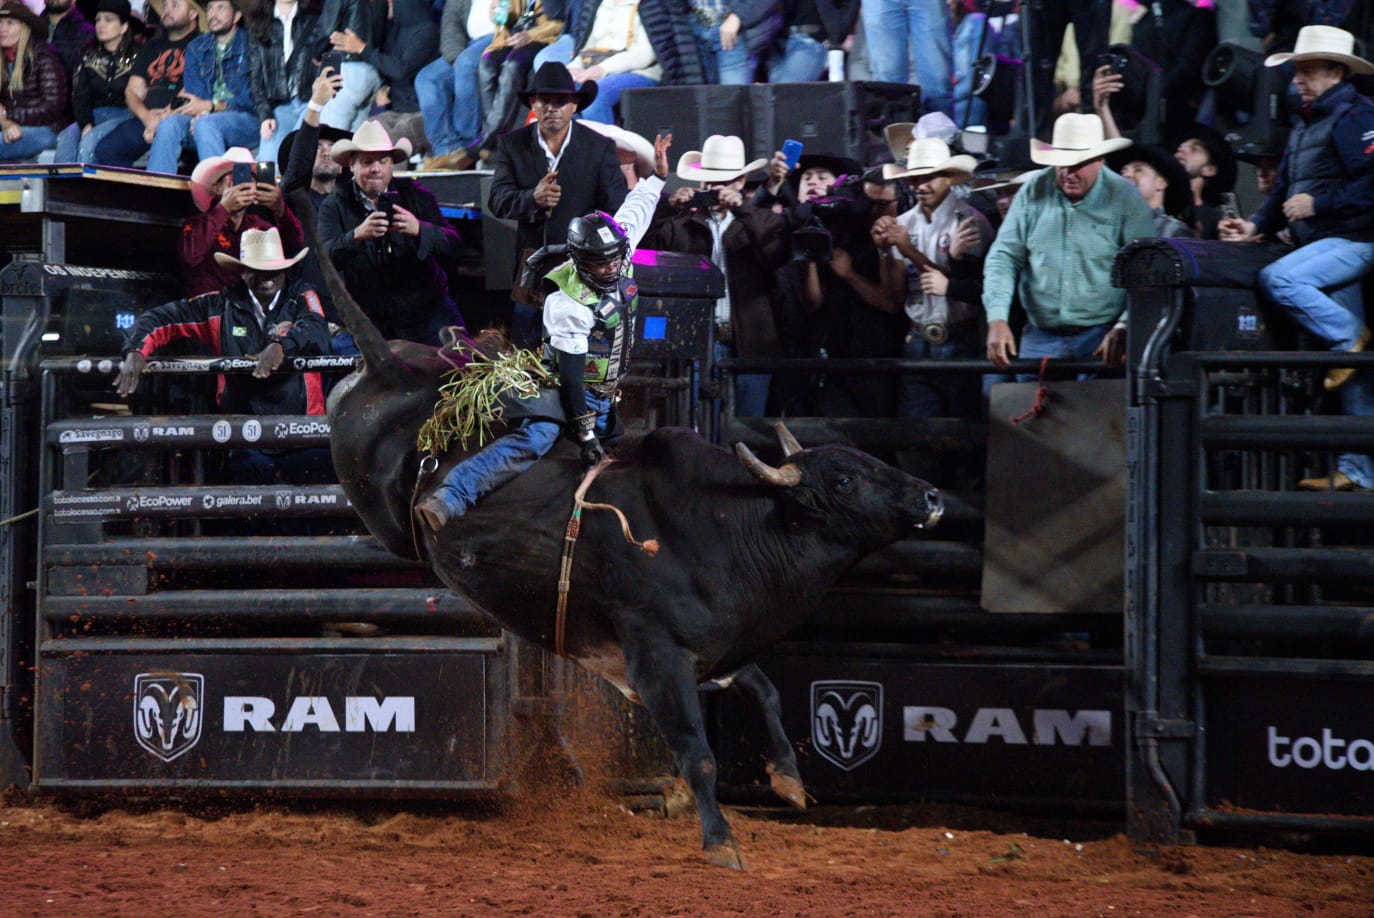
(800, 512)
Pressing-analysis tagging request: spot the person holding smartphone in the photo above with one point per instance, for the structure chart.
(231, 200)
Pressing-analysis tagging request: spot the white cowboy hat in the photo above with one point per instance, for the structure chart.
(1017, 180)
(1323, 43)
(370, 138)
(930, 156)
(1077, 139)
(627, 142)
(260, 250)
(721, 159)
(900, 135)
(208, 171)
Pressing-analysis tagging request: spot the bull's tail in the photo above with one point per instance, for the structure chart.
(374, 348)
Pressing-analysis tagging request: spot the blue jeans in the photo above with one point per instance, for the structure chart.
(802, 61)
(608, 90)
(725, 67)
(968, 108)
(72, 147)
(944, 395)
(903, 33)
(1036, 344)
(560, 50)
(34, 141)
(449, 101)
(288, 116)
(348, 110)
(218, 131)
(1357, 400)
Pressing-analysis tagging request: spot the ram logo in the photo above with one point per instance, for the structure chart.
(847, 721)
(168, 712)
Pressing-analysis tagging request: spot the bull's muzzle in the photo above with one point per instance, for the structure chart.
(935, 508)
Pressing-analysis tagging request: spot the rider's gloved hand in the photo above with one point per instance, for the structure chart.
(592, 452)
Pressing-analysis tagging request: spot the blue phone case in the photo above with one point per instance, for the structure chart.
(791, 151)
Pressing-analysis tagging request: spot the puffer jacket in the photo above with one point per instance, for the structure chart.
(276, 80)
(668, 23)
(42, 101)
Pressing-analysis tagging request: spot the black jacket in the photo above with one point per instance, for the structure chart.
(224, 323)
(69, 39)
(366, 18)
(100, 81)
(275, 80)
(397, 280)
(411, 42)
(589, 174)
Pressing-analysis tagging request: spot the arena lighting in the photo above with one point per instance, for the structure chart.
(996, 80)
(1252, 100)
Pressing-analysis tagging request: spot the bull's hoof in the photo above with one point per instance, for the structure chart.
(432, 512)
(788, 788)
(726, 855)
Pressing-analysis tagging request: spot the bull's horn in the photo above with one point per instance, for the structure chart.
(786, 477)
(788, 442)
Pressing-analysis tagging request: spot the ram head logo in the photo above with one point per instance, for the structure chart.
(168, 712)
(847, 721)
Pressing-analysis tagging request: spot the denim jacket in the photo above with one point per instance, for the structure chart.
(200, 70)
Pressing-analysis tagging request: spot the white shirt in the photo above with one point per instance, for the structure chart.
(617, 27)
(286, 20)
(479, 20)
(567, 323)
(552, 160)
(718, 224)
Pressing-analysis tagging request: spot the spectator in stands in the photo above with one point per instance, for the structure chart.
(284, 42)
(364, 21)
(730, 37)
(1046, 23)
(617, 54)
(747, 243)
(1056, 247)
(1178, 35)
(409, 43)
(1266, 160)
(549, 172)
(227, 211)
(914, 35)
(522, 33)
(33, 86)
(69, 32)
(1324, 193)
(155, 92)
(811, 30)
(220, 113)
(447, 87)
(265, 315)
(151, 13)
(933, 265)
(1211, 166)
(98, 90)
(1162, 183)
(386, 236)
(666, 24)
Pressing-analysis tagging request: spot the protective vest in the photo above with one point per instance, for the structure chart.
(1312, 165)
(613, 329)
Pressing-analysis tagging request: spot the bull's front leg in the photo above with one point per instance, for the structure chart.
(663, 675)
(783, 774)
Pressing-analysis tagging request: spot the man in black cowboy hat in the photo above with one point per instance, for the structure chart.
(543, 186)
(1162, 183)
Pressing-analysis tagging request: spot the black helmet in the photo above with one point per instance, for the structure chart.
(596, 238)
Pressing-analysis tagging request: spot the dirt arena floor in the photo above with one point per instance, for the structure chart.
(589, 856)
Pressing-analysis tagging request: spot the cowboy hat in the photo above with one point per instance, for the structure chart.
(260, 250)
(209, 170)
(720, 159)
(327, 132)
(1015, 180)
(1323, 43)
(14, 9)
(836, 165)
(900, 135)
(627, 142)
(1077, 139)
(554, 79)
(1179, 194)
(1222, 154)
(370, 138)
(930, 156)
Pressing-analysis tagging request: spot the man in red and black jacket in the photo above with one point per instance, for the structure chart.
(268, 316)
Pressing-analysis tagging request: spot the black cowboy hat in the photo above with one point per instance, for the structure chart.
(327, 132)
(1178, 195)
(1222, 153)
(837, 166)
(554, 79)
(1272, 148)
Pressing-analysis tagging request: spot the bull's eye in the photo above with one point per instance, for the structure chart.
(844, 483)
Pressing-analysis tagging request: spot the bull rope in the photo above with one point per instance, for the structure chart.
(1042, 391)
(648, 546)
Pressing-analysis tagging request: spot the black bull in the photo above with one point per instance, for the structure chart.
(747, 550)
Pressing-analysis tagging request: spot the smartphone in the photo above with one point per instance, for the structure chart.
(1230, 207)
(242, 174)
(386, 203)
(791, 152)
(704, 199)
(1114, 61)
(333, 59)
(178, 102)
(265, 173)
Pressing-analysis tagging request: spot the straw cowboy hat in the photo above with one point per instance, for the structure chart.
(209, 170)
(1323, 43)
(930, 156)
(260, 250)
(14, 9)
(370, 138)
(900, 135)
(720, 159)
(1077, 139)
(627, 143)
(554, 79)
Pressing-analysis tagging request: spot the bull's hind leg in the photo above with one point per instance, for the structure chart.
(663, 676)
(783, 773)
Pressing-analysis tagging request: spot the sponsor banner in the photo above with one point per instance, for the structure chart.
(269, 718)
(1289, 744)
(882, 729)
(221, 501)
(232, 431)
